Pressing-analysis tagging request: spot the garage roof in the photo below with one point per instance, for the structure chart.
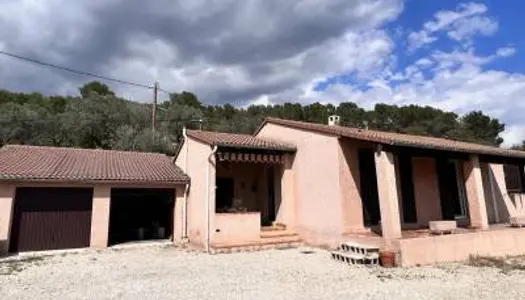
(35, 163)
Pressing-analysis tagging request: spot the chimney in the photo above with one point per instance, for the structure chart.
(333, 120)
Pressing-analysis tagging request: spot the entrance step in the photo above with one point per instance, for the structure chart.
(359, 248)
(355, 258)
(277, 233)
(356, 253)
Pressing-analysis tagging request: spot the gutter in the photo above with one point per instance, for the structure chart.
(208, 197)
(186, 190)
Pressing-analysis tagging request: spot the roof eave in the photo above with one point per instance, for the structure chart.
(93, 181)
(283, 149)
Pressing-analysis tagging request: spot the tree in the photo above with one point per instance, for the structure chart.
(519, 146)
(95, 87)
(187, 99)
(478, 127)
(351, 115)
(384, 117)
(99, 119)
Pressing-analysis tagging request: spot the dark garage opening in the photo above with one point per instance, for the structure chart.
(141, 214)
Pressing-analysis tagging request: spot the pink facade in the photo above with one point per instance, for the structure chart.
(206, 226)
(7, 194)
(458, 247)
(350, 187)
(200, 167)
(320, 178)
(426, 190)
(99, 234)
(317, 188)
(236, 228)
(100, 216)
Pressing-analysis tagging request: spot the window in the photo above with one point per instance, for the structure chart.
(224, 194)
(514, 178)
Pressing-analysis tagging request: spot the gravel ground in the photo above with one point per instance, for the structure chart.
(170, 273)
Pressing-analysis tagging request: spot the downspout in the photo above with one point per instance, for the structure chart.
(208, 198)
(186, 189)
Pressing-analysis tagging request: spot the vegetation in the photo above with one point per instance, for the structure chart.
(504, 264)
(99, 119)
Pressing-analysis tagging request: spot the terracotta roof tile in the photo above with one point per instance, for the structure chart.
(86, 165)
(237, 140)
(398, 139)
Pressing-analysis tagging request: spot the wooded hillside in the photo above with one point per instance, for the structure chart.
(99, 119)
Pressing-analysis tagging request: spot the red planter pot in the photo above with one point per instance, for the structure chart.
(387, 259)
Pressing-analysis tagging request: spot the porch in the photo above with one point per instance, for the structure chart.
(403, 190)
(421, 247)
(253, 207)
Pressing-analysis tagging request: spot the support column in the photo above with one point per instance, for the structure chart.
(7, 196)
(388, 195)
(475, 193)
(100, 216)
(499, 188)
(179, 220)
(286, 213)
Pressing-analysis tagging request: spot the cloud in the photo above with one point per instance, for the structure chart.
(447, 60)
(464, 29)
(455, 81)
(460, 25)
(225, 51)
(261, 51)
(513, 135)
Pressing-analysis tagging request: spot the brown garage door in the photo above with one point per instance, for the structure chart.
(51, 218)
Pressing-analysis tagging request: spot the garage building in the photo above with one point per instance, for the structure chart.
(59, 198)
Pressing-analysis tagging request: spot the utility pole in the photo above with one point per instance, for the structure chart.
(154, 108)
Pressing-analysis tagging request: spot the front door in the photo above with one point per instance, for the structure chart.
(452, 203)
(407, 189)
(369, 193)
(271, 198)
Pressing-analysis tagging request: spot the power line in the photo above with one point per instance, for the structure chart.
(77, 71)
(164, 91)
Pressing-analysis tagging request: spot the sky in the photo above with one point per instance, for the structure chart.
(454, 55)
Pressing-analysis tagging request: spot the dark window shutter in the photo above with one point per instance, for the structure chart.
(513, 178)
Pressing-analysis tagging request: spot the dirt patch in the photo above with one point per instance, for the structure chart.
(11, 267)
(504, 264)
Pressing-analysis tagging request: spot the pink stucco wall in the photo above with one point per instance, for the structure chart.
(349, 184)
(388, 192)
(100, 216)
(475, 193)
(236, 228)
(317, 188)
(498, 203)
(506, 207)
(7, 194)
(426, 190)
(178, 219)
(197, 164)
(458, 247)
(100, 209)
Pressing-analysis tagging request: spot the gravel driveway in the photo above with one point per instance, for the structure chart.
(171, 273)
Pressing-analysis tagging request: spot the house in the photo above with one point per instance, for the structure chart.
(57, 198)
(323, 184)
(289, 183)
